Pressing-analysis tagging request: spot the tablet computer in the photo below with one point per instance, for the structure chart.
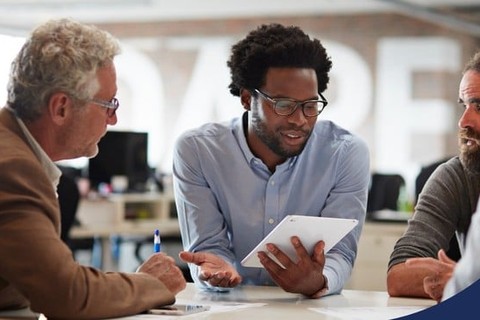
(309, 229)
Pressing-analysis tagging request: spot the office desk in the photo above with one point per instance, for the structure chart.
(168, 227)
(255, 302)
(125, 215)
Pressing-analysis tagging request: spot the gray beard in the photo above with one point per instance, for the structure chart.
(471, 161)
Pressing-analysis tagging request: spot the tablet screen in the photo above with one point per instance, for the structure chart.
(309, 229)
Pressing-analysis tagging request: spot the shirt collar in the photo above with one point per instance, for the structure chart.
(240, 132)
(51, 169)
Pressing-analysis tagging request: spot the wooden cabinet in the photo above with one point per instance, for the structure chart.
(375, 246)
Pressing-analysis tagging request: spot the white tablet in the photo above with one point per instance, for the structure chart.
(309, 229)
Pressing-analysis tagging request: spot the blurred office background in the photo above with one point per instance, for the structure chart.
(396, 66)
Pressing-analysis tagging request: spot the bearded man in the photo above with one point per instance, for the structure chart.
(419, 265)
(236, 180)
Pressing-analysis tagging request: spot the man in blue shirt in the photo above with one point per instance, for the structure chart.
(235, 181)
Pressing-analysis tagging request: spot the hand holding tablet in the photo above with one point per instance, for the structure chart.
(309, 229)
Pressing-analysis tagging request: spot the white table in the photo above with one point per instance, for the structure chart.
(257, 302)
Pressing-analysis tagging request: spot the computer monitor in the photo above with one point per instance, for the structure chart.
(121, 153)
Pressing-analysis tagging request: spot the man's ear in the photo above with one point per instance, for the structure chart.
(245, 98)
(59, 107)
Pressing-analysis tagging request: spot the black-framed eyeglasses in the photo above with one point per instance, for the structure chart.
(111, 105)
(287, 106)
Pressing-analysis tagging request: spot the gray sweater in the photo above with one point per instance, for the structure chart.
(445, 207)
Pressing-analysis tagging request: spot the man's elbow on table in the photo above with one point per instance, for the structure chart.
(404, 281)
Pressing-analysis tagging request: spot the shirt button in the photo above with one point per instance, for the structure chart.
(271, 221)
(272, 183)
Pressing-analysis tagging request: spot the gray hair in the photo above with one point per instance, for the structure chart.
(473, 63)
(60, 55)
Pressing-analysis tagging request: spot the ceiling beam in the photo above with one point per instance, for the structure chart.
(429, 15)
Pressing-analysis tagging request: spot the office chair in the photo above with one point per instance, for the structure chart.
(384, 191)
(69, 199)
(424, 174)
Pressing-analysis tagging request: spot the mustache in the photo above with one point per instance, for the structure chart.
(296, 128)
(468, 133)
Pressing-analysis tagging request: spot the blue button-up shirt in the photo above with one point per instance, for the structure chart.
(228, 200)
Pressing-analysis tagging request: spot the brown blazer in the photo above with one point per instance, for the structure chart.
(36, 268)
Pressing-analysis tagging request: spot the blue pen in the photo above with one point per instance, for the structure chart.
(156, 241)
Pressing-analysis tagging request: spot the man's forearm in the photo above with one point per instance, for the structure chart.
(406, 282)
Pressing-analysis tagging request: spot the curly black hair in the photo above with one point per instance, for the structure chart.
(275, 45)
